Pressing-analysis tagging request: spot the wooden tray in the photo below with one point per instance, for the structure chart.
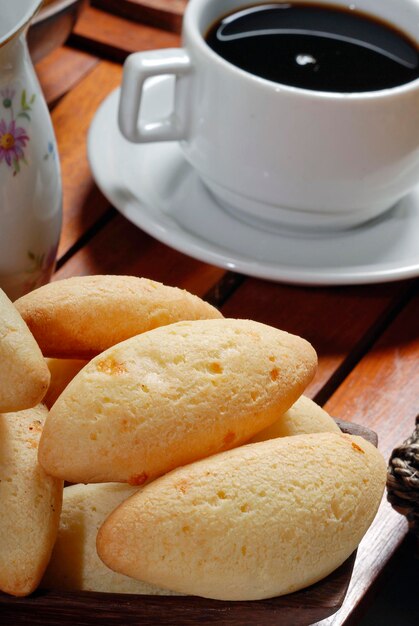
(87, 608)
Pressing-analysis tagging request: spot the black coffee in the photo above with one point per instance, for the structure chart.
(316, 47)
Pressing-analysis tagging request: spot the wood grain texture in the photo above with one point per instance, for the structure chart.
(121, 248)
(165, 14)
(381, 392)
(115, 37)
(83, 204)
(61, 70)
(339, 322)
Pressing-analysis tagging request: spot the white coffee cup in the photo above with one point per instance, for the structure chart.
(280, 154)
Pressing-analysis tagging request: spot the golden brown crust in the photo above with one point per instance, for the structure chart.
(77, 318)
(255, 522)
(24, 376)
(30, 503)
(171, 396)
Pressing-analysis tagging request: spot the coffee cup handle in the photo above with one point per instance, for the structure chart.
(137, 68)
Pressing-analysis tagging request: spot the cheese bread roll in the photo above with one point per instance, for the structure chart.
(171, 396)
(304, 417)
(24, 376)
(30, 503)
(256, 522)
(77, 318)
(74, 563)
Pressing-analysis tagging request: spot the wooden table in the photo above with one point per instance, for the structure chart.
(367, 337)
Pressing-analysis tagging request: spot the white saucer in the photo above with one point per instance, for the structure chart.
(153, 186)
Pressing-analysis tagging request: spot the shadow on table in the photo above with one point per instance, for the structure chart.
(397, 600)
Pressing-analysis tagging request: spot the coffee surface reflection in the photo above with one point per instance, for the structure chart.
(316, 47)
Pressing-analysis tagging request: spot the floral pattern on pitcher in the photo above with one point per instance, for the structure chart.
(50, 151)
(13, 137)
(40, 269)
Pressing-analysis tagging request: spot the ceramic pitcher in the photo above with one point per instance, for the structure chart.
(30, 181)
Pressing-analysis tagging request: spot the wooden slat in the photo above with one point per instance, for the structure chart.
(382, 393)
(83, 203)
(116, 37)
(61, 70)
(121, 248)
(337, 321)
(165, 14)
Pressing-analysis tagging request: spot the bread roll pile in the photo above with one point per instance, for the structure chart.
(199, 467)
